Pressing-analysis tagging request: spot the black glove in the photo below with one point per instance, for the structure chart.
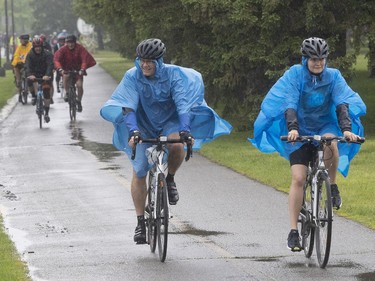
(82, 72)
(137, 136)
(186, 136)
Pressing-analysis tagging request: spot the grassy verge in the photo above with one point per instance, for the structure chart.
(7, 87)
(237, 153)
(11, 265)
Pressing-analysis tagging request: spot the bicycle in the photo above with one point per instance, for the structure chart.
(315, 219)
(72, 94)
(157, 207)
(23, 90)
(40, 101)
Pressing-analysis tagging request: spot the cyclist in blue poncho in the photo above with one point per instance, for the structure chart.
(309, 99)
(155, 98)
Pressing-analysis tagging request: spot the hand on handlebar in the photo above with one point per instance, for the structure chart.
(31, 77)
(349, 136)
(134, 138)
(293, 135)
(186, 137)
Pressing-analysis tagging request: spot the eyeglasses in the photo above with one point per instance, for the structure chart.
(147, 62)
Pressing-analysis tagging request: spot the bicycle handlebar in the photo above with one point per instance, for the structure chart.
(39, 80)
(322, 139)
(164, 140)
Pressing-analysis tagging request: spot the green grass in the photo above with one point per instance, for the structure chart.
(236, 153)
(11, 266)
(113, 64)
(7, 87)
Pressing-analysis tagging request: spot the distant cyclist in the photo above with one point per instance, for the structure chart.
(155, 98)
(46, 45)
(18, 61)
(39, 64)
(60, 42)
(310, 99)
(73, 56)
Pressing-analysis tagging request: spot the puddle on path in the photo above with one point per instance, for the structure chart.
(103, 151)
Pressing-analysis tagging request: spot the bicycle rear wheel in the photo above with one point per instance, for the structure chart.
(323, 230)
(162, 217)
(307, 228)
(149, 214)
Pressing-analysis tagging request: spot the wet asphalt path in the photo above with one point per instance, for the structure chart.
(66, 204)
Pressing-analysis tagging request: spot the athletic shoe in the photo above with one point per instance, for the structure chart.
(140, 233)
(79, 106)
(294, 241)
(173, 196)
(336, 198)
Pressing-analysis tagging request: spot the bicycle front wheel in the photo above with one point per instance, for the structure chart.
(162, 217)
(72, 104)
(323, 230)
(307, 227)
(149, 214)
(40, 112)
(24, 90)
(25, 93)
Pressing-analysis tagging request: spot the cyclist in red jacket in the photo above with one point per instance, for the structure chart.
(73, 56)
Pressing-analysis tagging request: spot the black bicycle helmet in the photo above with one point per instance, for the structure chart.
(25, 36)
(71, 38)
(315, 48)
(151, 49)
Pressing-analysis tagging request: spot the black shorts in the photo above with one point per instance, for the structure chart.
(303, 155)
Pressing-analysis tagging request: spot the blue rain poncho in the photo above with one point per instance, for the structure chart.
(314, 98)
(159, 103)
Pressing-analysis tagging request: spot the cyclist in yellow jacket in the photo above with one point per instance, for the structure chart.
(19, 59)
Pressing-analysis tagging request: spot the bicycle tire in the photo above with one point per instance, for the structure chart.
(162, 217)
(323, 230)
(149, 214)
(307, 227)
(40, 111)
(61, 87)
(24, 91)
(72, 104)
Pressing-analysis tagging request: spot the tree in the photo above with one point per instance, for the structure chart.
(53, 16)
(241, 47)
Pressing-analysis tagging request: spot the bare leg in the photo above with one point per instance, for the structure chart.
(296, 193)
(139, 193)
(331, 159)
(176, 155)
